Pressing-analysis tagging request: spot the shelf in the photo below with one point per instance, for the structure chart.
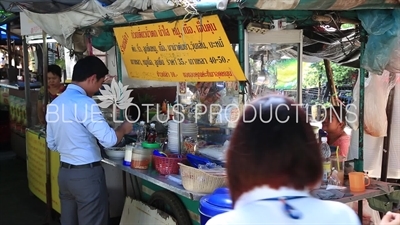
(16, 87)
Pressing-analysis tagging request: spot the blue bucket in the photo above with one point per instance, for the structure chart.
(216, 203)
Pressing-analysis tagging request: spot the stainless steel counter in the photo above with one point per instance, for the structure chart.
(377, 188)
(155, 178)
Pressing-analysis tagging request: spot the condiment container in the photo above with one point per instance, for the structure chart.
(128, 155)
(152, 134)
(141, 158)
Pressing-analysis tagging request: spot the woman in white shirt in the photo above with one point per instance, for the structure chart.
(273, 161)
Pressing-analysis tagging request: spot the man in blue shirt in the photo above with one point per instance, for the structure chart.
(74, 125)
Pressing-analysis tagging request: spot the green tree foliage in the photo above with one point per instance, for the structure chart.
(342, 75)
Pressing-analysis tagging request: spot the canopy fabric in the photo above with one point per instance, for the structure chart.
(321, 5)
(62, 24)
(95, 18)
(55, 6)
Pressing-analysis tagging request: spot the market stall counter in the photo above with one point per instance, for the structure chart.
(157, 179)
(152, 182)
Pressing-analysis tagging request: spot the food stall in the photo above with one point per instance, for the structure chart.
(173, 45)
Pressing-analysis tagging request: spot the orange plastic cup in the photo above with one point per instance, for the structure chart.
(357, 181)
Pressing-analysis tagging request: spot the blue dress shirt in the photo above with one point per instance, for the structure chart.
(74, 122)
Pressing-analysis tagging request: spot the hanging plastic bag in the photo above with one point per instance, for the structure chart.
(377, 88)
(376, 96)
(383, 31)
(394, 65)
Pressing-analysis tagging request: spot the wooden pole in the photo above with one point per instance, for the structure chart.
(329, 75)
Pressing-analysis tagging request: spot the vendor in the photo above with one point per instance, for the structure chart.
(55, 87)
(334, 123)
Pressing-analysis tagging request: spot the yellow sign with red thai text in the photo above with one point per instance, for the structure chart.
(181, 51)
(36, 169)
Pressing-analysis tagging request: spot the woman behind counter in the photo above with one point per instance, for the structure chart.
(334, 123)
(55, 87)
(272, 164)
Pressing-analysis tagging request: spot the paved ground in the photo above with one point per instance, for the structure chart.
(17, 205)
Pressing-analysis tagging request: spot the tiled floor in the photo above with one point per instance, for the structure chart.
(17, 205)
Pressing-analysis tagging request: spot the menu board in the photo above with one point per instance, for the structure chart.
(36, 166)
(181, 51)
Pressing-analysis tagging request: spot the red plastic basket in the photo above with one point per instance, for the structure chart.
(168, 165)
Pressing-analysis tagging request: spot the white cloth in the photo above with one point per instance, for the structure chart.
(251, 210)
(373, 146)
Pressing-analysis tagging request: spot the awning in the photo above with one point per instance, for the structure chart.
(96, 15)
(331, 5)
(55, 6)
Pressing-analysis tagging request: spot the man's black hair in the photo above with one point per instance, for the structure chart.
(87, 67)
(54, 69)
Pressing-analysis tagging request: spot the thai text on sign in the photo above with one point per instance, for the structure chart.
(36, 167)
(194, 50)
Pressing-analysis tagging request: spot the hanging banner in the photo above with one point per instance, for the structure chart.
(181, 51)
(36, 168)
(36, 164)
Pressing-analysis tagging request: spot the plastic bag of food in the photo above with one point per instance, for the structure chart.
(377, 88)
(376, 96)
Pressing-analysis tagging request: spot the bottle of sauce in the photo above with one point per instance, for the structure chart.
(141, 136)
(164, 107)
(152, 134)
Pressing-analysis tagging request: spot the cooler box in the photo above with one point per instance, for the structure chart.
(216, 203)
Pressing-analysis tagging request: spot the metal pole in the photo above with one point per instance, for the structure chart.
(27, 78)
(9, 45)
(178, 103)
(358, 164)
(46, 100)
(300, 72)
(119, 75)
(45, 65)
(386, 140)
(241, 46)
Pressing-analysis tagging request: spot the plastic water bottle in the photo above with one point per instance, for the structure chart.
(141, 136)
(326, 154)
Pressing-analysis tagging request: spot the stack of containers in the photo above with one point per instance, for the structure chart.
(188, 130)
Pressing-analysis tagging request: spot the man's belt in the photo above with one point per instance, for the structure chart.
(89, 165)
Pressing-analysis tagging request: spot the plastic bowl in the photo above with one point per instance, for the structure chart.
(115, 153)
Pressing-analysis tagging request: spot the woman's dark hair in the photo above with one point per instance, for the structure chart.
(273, 145)
(54, 69)
(339, 112)
(87, 67)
